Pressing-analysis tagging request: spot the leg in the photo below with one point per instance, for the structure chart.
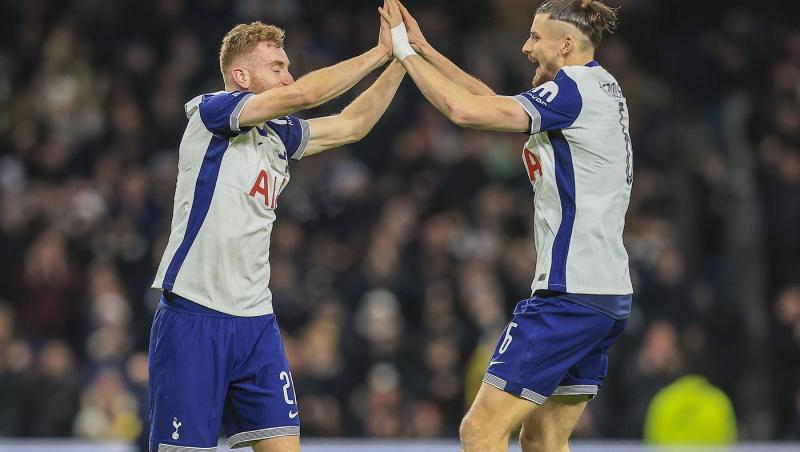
(541, 353)
(278, 444)
(187, 380)
(549, 427)
(491, 418)
(261, 407)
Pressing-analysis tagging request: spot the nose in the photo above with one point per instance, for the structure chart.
(527, 48)
(287, 79)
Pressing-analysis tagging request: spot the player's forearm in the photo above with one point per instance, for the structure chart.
(367, 108)
(453, 72)
(327, 83)
(447, 96)
(312, 89)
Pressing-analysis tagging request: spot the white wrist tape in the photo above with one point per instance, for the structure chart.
(401, 47)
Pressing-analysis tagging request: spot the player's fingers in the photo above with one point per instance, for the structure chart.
(407, 15)
(384, 15)
(403, 9)
(393, 8)
(404, 13)
(393, 12)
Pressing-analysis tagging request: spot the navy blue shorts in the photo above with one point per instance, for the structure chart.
(553, 347)
(210, 370)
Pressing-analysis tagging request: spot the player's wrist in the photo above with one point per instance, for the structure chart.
(400, 45)
(423, 48)
(382, 53)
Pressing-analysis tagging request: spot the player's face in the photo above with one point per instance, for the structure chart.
(542, 49)
(269, 68)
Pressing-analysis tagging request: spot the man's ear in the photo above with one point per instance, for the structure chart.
(241, 77)
(568, 44)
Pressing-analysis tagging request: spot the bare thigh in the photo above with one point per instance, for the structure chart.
(550, 426)
(492, 417)
(278, 444)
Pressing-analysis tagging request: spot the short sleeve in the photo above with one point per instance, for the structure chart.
(293, 132)
(220, 112)
(554, 105)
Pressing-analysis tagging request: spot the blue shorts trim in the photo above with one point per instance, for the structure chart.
(553, 346)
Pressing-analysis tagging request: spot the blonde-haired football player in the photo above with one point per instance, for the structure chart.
(216, 356)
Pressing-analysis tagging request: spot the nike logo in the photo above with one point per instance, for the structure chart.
(293, 415)
(496, 362)
(282, 156)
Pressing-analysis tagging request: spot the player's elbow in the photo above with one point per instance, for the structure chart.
(459, 113)
(308, 98)
(459, 118)
(353, 128)
(301, 99)
(356, 134)
(463, 118)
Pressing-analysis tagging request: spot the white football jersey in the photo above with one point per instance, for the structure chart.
(579, 160)
(229, 181)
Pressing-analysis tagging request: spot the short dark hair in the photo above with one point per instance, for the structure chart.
(592, 17)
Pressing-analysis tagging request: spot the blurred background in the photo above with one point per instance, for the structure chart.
(397, 261)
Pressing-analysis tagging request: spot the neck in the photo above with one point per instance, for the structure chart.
(234, 87)
(579, 59)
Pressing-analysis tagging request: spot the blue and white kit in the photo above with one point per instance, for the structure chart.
(216, 357)
(579, 159)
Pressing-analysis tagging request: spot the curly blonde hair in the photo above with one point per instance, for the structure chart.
(243, 39)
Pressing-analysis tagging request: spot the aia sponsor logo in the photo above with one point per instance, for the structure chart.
(268, 187)
(532, 165)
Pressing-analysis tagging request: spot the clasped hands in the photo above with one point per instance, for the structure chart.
(400, 33)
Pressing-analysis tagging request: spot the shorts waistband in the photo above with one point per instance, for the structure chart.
(178, 303)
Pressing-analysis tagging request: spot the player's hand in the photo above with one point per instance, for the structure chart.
(385, 35)
(415, 36)
(391, 13)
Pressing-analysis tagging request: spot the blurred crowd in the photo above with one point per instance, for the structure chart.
(396, 261)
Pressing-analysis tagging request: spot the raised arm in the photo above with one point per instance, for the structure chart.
(458, 104)
(438, 60)
(317, 87)
(358, 118)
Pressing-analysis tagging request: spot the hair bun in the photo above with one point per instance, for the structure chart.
(592, 17)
